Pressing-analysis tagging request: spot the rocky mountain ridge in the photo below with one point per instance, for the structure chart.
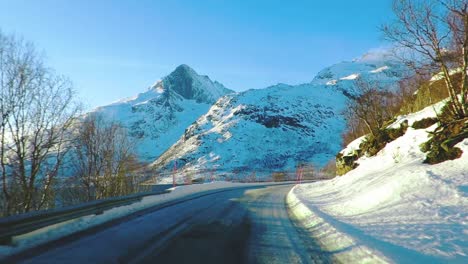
(278, 127)
(157, 117)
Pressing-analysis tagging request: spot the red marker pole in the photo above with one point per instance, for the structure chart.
(297, 175)
(174, 174)
(300, 174)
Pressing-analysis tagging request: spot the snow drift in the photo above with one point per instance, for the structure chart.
(392, 207)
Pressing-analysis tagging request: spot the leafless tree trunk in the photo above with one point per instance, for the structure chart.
(372, 108)
(37, 108)
(104, 158)
(437, 32)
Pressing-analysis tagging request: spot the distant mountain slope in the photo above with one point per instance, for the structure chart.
(277, 127)
(159, 116)
(265, 129)
(379, 67)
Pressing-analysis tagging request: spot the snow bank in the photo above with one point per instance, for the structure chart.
(428, 112)
(353, 146)
(440, 75)
(56, 231)
(392, 208)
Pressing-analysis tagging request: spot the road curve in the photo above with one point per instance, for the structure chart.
(248, 225)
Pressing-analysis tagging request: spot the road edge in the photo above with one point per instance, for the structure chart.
(338, 246)
(68, 238)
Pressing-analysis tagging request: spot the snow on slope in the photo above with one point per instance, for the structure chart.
(160, 115)
(262, 129)
(392, 208)
(373, 66)
(277, 127)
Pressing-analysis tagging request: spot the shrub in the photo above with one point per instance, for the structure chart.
(370, 109)
(278, 176)
(374, 143)
(427, 93)
(346, 163)
(441, 146)
(370, 146)
(424, 123)
(329, 170)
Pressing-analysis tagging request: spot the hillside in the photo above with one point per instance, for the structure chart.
(157, 117)
(275, 128)
(378, 66)
(392, 208)
(265, 129)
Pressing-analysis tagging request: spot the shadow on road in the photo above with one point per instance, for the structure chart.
(217, 242)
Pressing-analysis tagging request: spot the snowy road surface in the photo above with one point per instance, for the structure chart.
(248, 225)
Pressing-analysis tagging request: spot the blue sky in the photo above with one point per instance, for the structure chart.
(115, 49)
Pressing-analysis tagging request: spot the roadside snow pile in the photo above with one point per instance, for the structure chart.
(392, 207)
(59, 230)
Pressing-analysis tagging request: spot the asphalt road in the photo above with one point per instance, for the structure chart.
(235, 226)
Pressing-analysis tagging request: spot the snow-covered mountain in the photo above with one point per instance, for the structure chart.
(159, 116)
(277, 127)
(375, 66)
(265, 129)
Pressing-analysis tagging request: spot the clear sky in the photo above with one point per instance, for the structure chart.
(115, 49)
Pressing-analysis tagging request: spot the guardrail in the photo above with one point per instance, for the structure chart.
(25, 223)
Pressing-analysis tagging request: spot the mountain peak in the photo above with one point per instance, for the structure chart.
(190, 85)
(184, 69)
(377, 55)
(184, 66)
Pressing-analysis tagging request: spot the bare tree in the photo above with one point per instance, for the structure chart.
(371, 109)
(329, 170)
(37, 109)
(103, 158)
(434, 33)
